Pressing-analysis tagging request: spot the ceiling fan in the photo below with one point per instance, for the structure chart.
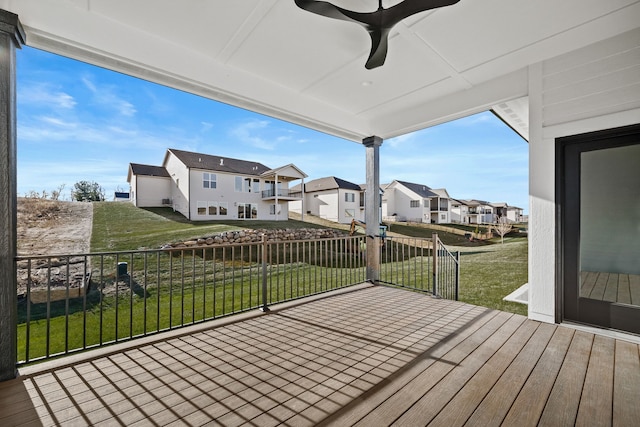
(378, 24)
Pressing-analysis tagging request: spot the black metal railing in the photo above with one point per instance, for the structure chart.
(413, 263)
(70, 303)
(282, 192)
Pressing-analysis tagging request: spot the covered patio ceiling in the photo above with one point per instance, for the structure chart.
(271, 57)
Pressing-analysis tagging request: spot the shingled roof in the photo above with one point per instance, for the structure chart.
(218, 163)
(148, 170)
(329, 183)
(420, 189)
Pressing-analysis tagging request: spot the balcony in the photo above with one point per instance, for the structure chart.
(368, 355)
(282, 194)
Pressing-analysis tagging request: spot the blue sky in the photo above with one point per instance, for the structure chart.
(80, 122)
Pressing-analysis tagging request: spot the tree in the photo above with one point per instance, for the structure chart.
(85, 191)
(502, 227)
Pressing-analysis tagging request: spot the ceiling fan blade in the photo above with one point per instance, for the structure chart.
(378, 23)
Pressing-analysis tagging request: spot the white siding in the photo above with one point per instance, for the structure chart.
(150, 191)
(590, 89)
(179, 184)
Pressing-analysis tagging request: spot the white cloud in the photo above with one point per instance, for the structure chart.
(249, 133)
(105, 96)
(42, 94)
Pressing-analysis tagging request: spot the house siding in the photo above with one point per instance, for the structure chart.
(590, 89)
(179, 184)
(150, 191)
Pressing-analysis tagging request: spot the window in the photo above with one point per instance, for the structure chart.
(443, 217)
(247, 211)
(202, 208)
(213, 208)
(222, 208)
(272, 209)
(208, 180)
(349, 213)
(247, 185)
(414, 204)
(349, 197)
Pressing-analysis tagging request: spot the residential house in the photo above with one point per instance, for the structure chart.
(331, 198)
(406, 201)
(206, 187)
(515, 214)
(471, 211)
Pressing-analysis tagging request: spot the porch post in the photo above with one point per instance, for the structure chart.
(372, 206)
(11, 37)
(302, 201)
(276, 197)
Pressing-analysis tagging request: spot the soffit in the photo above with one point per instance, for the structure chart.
(271, 57)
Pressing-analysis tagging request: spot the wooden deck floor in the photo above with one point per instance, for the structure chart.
(612, 287)
(374, 356)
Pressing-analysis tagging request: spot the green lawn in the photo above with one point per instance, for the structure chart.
(491, 272)
(165, 297)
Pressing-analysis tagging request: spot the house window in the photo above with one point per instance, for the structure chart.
(349, 197)
(208, 180)
(414, 204)
(247, 185)
(272, 209)
(255, 186)
(222, 208)
(349, 213)
(247, 211)
(443, 217)
(239, 184)
(213, 209)
(202, 208)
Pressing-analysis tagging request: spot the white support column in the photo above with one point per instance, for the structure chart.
(11, 37)
(372, 206)
(302, 201)
(276, 194)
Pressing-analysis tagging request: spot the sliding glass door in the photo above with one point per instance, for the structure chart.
(599, 193)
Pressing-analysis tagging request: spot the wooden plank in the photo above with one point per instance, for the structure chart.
(588, 281)
(611, 291)
(496, 404)
(595, 405)
(429, 405)
(626, 385)
(461, 406)
(562, 406)
(528, 406)
(624, 293)
(374, 396)
(392, 408)
(597, 292)
(634, 288)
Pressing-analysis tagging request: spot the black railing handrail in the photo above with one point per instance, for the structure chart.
(281, 192)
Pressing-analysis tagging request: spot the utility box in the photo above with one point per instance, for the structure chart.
(122, 269)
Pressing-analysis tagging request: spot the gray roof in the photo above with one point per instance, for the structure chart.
(219, 163)
(329, 183)
(419, 189)
(148, 170)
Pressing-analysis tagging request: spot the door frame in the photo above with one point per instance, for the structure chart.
(569, 305)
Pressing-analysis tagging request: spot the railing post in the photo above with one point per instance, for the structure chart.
(457, 274)
(265, 307)
(434, 246)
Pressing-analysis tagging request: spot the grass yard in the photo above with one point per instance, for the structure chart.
(491, 272)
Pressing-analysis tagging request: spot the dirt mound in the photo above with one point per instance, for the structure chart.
(49, 227)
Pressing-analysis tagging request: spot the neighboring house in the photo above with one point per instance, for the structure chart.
(515, 214)
(331, 198)
(206, 187)
(120, 196)
(471, 211)
(406, 201)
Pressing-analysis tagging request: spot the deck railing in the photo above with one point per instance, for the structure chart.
(70, 303)
(412, 263)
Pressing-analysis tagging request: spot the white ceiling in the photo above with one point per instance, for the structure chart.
(271, 57)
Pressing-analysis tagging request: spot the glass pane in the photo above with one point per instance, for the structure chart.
(610, 225)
